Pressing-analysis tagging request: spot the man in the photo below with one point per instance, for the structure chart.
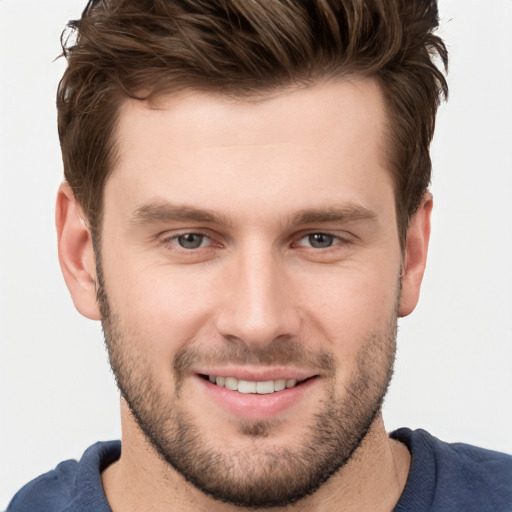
(246, 210)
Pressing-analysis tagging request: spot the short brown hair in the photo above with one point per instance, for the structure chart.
(145, 48)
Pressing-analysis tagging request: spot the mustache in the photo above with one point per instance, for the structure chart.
(277, 353)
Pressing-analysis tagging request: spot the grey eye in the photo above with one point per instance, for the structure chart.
(191, 240)
(320, 240)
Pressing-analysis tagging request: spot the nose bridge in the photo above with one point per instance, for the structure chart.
(258, 307)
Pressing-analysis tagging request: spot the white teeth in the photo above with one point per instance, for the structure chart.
(279, 385)
(232, 383)
(264, 388)
(246, 386)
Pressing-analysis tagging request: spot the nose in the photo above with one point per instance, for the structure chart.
(258, 305)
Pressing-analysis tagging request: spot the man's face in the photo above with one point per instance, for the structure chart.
(253, 244)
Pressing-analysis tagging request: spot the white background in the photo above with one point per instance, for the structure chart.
(454, 368)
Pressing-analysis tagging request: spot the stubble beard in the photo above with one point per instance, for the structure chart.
(265, 474)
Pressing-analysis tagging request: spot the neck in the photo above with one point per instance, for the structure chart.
(373, 479)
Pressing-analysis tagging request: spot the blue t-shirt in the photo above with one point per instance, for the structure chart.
(443, 478)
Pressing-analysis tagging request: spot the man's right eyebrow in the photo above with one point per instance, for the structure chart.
(162, 211)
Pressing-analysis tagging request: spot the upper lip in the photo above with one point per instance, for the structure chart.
(255, 374)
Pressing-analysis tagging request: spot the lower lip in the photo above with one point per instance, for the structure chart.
(252, 406)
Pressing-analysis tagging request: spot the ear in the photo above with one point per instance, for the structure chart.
(76, 254)
(415, 258)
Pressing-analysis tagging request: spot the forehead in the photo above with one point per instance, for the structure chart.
(326, 141)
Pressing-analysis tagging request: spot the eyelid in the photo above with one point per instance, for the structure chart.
(169, 239)
(339, 238)
(204, 240)
(175, 236)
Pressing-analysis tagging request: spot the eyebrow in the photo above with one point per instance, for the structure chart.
(348, 213)
(162, 211)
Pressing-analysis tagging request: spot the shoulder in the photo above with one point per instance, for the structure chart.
(454, 476)
(72, 486)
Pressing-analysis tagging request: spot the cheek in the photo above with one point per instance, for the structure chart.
(159, 306)
(347, 305)
(155, 315)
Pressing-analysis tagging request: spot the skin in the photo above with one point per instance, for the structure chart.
(256, 280)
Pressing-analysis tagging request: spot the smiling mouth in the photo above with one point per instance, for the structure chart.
(248, 387)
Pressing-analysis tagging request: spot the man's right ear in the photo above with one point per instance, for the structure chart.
(76, 254)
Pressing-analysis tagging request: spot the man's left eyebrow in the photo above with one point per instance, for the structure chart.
(350, 213)
(162, 211)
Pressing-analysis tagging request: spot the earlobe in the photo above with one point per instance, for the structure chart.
(415, 257)
(76, 254)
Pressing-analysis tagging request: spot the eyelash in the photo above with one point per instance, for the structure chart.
(337, 241)
(173, 240)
